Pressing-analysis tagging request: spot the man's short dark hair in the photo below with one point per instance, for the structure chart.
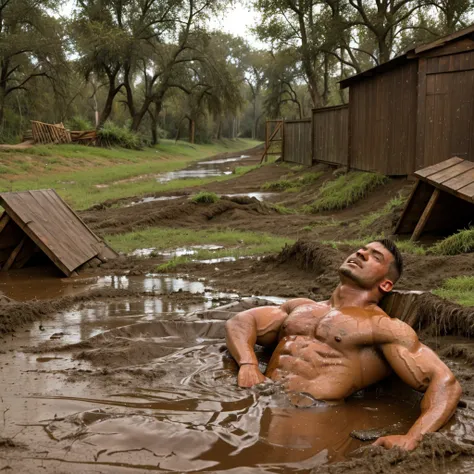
(396, 267)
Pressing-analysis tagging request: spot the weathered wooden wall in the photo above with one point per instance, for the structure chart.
(297, 142)
(446, 107)
(382, 121)
(331, 135)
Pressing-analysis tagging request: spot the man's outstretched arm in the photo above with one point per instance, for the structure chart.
(258, 325)
(419, 367)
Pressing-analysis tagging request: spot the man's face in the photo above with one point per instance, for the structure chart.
(369, 267)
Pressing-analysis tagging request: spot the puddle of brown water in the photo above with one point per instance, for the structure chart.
(192, 417)
(154, 389)
(178, 252)
(46, 283)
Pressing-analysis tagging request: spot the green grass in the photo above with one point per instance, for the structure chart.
(238, 243)
(462, 242)
(240, 170)
(387, 209)
(162, 238)
(404, 246)
(280, 185)
(345, 191)
(290, 184)
(458, 289)
(75, 170)
(205, 197)
(283, 209)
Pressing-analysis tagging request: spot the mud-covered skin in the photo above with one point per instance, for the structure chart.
(328, 352)
(333, 348)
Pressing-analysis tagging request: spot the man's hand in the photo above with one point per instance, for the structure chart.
(406, 442)
(249, 375)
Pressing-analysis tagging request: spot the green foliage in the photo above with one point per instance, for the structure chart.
(462, 242)
(111, 135)
(459, 289)
(205, 197)
(79, 123)
(346, 190)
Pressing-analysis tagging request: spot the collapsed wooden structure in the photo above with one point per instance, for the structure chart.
(442, 200)
(44, 133)
(39, 223)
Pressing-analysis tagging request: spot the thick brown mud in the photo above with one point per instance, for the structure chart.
(137, 385)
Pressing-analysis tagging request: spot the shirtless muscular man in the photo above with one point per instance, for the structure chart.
(328, 350)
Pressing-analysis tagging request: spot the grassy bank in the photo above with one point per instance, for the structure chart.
(75, 171)
(236, 243)
(459, 290)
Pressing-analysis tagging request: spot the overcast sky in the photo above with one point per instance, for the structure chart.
(237, 20)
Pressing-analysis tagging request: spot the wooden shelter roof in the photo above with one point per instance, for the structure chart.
(456, 176)
(442, 199)
(408, 55)
(54, 227)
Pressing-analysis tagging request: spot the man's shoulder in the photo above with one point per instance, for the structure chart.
(392, 329)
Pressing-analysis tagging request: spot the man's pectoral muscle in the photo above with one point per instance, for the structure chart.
(256, 326)
(421, 368)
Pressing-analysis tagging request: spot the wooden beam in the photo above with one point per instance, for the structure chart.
(4, 220)
(267, 146)
(426, 215)
(13, 255)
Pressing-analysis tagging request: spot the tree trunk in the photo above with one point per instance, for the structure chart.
(107, 110)
(192, 130)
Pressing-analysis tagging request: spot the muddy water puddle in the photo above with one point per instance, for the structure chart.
(203, 169)
(161, 394)
(178, 252)
(146, 384)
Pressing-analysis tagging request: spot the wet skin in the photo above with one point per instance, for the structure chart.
(333, 348)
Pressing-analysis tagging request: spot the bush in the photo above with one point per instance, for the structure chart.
(346, 190)
(112, 135)
(79, 123)
(205, 197)
(462, 242)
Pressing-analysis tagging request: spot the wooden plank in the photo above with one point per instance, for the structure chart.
(426, 172)
(407, 206)
(421, 115)
(467, 192)
(451, 172)
(5, 219)
(13, 255)
(426, 215)
(28, 250)
(461, 181)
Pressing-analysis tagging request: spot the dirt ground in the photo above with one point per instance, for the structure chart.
(121, 370)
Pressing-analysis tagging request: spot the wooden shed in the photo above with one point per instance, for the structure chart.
(39, 224)
(415, 110)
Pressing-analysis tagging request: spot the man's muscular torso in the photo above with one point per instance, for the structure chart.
(329, 353)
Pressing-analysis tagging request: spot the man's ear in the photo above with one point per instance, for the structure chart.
(386, 286)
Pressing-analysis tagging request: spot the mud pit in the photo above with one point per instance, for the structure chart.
(140, 384)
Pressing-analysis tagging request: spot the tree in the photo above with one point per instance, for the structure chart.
(30, 47)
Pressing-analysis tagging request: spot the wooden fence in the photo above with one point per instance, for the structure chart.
(297, 141)
(49, 133)
(330, 139)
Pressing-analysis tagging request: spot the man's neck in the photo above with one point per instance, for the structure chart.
(347, 294)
